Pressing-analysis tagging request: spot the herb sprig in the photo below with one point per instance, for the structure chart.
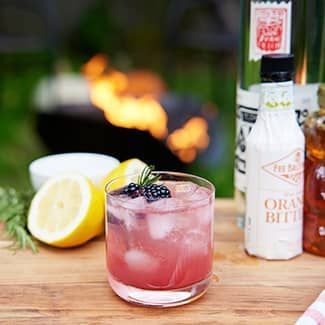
(146, 177)
(14, 207)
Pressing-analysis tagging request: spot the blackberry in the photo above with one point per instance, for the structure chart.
(151, 192)
(164, 192)
(155, 192)
(132, 190)
(149, 188)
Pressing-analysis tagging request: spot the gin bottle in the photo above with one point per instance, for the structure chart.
(265, 28)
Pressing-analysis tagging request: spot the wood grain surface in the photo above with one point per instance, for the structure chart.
(69, 286)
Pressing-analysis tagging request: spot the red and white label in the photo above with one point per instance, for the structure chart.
(289, 169)
(270, 28)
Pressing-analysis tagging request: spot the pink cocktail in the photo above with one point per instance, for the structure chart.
(160, 253)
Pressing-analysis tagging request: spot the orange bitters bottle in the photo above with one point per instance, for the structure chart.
(314, 198)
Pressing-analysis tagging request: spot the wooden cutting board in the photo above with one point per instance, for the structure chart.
(69, 286)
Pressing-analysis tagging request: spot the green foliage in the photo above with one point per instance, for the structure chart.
(14, 207)
(18, 142)
(97, 32)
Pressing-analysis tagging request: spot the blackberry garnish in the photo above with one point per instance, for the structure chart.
(146, 187)
(164, 192)
(132, 190)
(155, 192)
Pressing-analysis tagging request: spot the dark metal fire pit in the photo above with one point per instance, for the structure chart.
(83, 128)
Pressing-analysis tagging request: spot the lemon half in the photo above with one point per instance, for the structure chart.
(67, 211)
(124, 170)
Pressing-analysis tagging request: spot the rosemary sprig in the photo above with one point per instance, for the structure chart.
(14, 207)
(146, 177)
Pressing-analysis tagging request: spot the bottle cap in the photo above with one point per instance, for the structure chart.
(321, 95)
(277, 67)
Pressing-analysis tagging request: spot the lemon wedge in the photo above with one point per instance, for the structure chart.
(125, 169)
(67, 211)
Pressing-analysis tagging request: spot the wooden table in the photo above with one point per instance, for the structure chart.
(69, 286)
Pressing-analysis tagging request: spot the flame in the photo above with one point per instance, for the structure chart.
(189, 139)
(107, 92)
(95, 67)
(128, 101)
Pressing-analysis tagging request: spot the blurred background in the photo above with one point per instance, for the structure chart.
(147, 79)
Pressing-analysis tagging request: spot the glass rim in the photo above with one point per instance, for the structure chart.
(160, 172)
(124, 204)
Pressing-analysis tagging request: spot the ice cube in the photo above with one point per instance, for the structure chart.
(182, 189)
(160, 225)
(134, 212)
(127, 211)
(168, 204)
(131, 220)
(119, 216)
(139, 260)
(204, 214)
(200, 194)
(197, 242)
(137, 203)
(114, 215)
(114, 220)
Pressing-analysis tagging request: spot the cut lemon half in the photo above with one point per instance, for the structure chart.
(125, 169)
(67, 211)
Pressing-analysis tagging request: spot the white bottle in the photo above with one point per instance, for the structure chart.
(275, 162)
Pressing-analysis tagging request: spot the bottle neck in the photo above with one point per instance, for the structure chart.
(276, 96)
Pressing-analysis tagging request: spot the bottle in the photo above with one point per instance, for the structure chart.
(301, 23)
(265, 28)
(314, 198)
(275, 157)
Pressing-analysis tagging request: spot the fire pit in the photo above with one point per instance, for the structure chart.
(124, 115)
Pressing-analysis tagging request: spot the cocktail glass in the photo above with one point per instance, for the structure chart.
(160, 253)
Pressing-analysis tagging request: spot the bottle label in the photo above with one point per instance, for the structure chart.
(289, 168)
(270, 28)
(277, 96)
(246, 115)
(274, 204)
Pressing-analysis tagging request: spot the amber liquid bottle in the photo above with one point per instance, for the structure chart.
(314, 198)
